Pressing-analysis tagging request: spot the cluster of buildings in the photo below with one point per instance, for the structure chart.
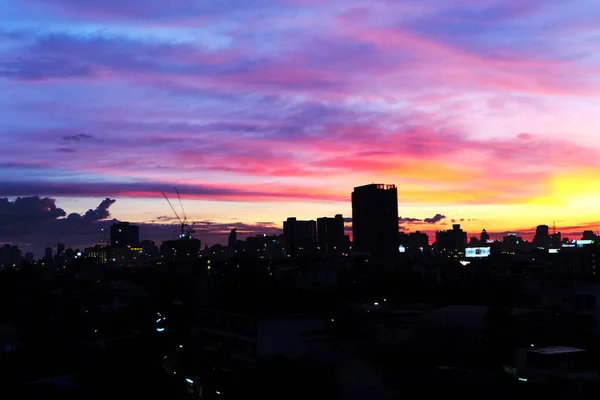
(11, 257)
(375, 236)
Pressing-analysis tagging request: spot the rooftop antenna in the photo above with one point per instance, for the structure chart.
(554, 222)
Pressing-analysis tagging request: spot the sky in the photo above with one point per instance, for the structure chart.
(482, 111)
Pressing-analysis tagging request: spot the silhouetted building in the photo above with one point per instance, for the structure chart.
(413, 243)
(48, 260)
(331, 241)
(484, 237)
(124, 234)
(232, 243)
(542, 236)
(375, 220)
(555, 240)
(451, 243)
(182, 251)
(511, 243)
(29, 258)
(10, 256)
(150, 252)
(300, 237)
(590, 235)
(218, 252)
(60, 259)
(98, 253)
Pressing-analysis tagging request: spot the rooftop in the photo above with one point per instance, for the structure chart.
(557, 350)
(381, 186)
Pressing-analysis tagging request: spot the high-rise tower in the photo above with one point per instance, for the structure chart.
(375, 220)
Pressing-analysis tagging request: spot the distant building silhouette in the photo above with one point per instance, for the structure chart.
(300, 237)
(232, 243)
(451, 243)
(375, 220)
(555, 239)
(413, 243)
(542, 236)
(181, 251)
(331, 241)
(150, 252)
(29, 258)
(10, 256)
(484, 237)
(512, 242)
(124, 234)
(590, 235)
(48, 260)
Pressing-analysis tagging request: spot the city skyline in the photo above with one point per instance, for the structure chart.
(33, 223)
(258, 114)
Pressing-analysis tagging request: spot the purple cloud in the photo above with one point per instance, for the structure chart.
(435, 219)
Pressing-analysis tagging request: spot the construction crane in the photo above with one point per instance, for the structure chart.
(186, 229)
(182, 223)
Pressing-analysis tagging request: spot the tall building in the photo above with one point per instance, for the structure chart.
(232, 243)
(300, 237)
(6, 256)
(375, 220)
(331, 241)
(542, 236)
(48, 260)
(124, 234)
(451, 243)
(10, 256)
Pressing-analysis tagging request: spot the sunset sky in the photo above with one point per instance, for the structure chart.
(486, 111)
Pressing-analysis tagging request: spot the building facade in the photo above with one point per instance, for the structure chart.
(375, 220)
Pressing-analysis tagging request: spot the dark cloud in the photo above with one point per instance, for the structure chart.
(65, 150)
(101, 212)
(24, 211)
(463, 219)
(435, 219)
(408, 220)
(78, 137)
(34, 223)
